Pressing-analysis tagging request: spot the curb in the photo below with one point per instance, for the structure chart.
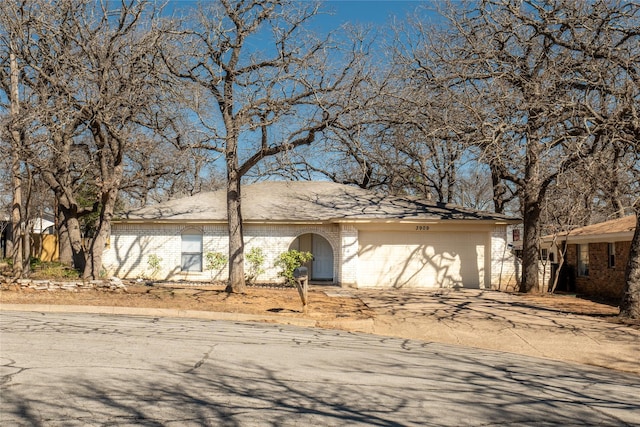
(360, 325)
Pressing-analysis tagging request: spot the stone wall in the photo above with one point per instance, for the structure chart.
(113, 284)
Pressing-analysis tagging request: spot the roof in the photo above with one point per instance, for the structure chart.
(307, 201)
(613, 230)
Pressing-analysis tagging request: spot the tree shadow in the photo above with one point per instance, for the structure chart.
(469, 305)
(280, 376)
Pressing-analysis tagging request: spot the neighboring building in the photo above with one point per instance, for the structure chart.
(596, 257)
(5, 227)
(43, 243)
(515, 235)
(42, 224)
(358, 238)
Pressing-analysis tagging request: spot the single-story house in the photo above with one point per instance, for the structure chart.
(596, 257)
(358, 238)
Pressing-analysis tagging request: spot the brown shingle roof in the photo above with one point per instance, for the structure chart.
(614, 226)
(304, 201)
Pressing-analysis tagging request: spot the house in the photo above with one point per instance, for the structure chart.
(358, 238)
(43, 243)
(596, 257)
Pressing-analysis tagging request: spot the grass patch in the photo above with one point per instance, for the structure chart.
(52, 270)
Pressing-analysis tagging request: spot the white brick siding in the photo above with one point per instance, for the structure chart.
(131, 244)
(348, 256)
(505, 266)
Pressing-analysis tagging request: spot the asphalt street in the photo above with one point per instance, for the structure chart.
(60, 369)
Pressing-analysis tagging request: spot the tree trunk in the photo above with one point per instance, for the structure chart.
(65, 253)
(499, 189)
(236, 241)
(630, 305)
(71, 238)
(17, 223)
(96, 249)
(18, 228)
(562, 250)
(530, 244)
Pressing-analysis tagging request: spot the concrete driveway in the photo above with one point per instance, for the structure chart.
(503, 322)
(87, 369)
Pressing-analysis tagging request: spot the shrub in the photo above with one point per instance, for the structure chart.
(154, 264)
(255, 258)
(215, 261)
(289, 261)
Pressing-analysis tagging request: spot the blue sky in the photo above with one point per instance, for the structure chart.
(370, 11)
(338, 12)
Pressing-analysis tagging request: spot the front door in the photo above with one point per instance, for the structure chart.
(322, 264)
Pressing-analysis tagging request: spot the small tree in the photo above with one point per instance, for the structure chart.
(255, 258)
(289, 261)
(154, 263)
(215, 261)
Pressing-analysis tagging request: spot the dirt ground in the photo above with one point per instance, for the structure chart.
(325, 303)
(256, 300)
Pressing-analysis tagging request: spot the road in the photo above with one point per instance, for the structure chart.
(86, 369)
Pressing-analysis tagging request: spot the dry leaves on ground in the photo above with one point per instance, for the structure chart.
(256, 300)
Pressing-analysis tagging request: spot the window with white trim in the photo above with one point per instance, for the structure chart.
(583, 260)
(611, 255)
(544, 254)
(191, 259)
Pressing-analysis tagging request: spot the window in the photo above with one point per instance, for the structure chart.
(191, 251)
(583, 260)
(544, 254)
(611, 252)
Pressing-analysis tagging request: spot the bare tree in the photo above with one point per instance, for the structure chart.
(15, 130)
(630, 304)
(51, 125)
(533, 78)
(630, 140)
(265, 86)
(99, 96)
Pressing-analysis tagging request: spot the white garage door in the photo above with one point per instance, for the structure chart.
(430, 259)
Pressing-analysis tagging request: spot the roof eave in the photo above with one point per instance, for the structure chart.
(319, 221)
(424, 221)
(592, 238)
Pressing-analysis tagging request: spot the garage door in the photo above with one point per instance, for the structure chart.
(431, 260)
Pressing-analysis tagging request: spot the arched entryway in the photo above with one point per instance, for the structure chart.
(321, 268)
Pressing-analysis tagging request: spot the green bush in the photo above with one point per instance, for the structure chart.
(289, 261)
(154, 262)
(215, 261)
(255, 260)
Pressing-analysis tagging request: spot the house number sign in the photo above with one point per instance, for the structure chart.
(422, 228)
